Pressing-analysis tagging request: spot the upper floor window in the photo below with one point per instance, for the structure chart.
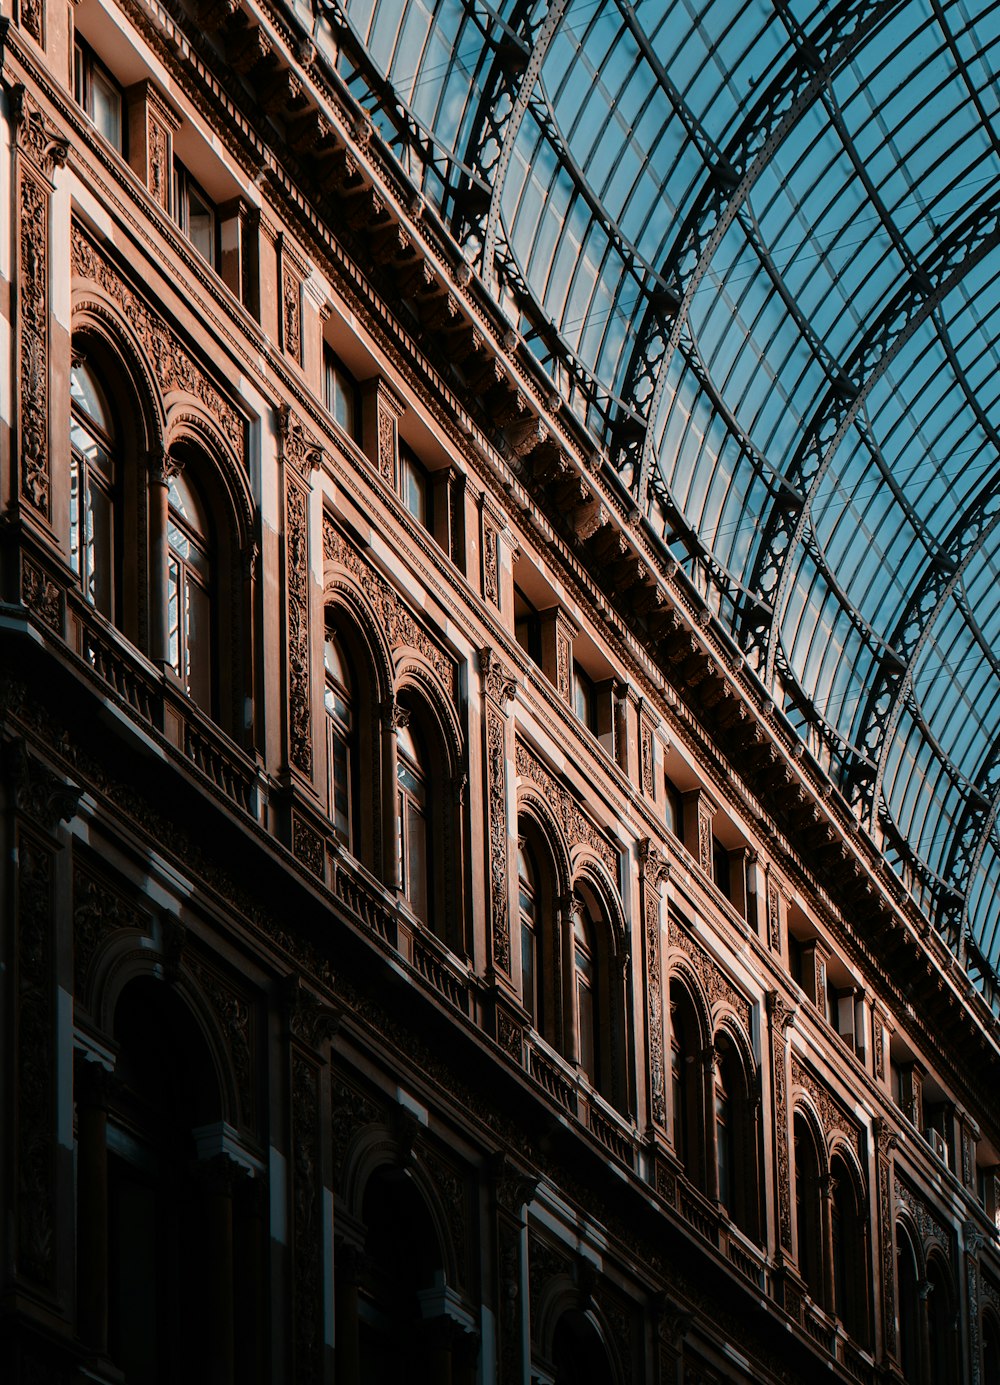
(196, 214)
(340, 391)
(527, 898)
(527, 626)
(584, 697)
(414, 486)
(99, 95)
(94, 480)
(189, 602)
(674, 808)
(341, 740)
(412, 826)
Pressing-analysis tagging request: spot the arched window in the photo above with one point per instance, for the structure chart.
(686, 1087)
(413, 826)
(341, 742)
(189, 591)
(532, 990)
(909, 1306)
(991, 1350)
(850, 1267)
(589, 1019)
(736, 1139)
(578, 1353)
(808, 1212)
(95, 484)
(942, 1335)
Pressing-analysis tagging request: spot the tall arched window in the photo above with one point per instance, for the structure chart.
(579, 1354)
(850, 1267)
(808, 1211)
(189, 591)
(413, 826)
(588, 1001)
(942, 1335)
(341, 741)
(95, 483)
(532, 989)
(686, 1088)
(909, 1306)
(736, 1138)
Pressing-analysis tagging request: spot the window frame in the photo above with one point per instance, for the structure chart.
(183, 186)
(335, 374)
(86, 67)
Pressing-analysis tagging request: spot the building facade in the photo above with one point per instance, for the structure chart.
(427, 954)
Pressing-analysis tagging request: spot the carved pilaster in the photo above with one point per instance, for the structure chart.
(40, 149)
(498, 688)
(151, 126)
(655, 873)
(885, 1143)
(646, 752)
(382, 408)
(300, 454)
(782, 1016)
(292, 273)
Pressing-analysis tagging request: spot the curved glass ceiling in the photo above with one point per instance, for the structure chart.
(768, 234)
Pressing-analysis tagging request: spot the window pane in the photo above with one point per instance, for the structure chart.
(173, 616)
(201, 225)
(100, 540)
(416, 836)
(106, 107)
(199, 644)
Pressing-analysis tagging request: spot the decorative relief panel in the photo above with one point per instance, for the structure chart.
(773, 917)
(491, 563)
(33, 338)
(930, 1228)
(578, 829)
(307, 1221)
(399, 626)
(834, 1116)
(32, 18)
(496, 795)
(234, 1013)
(719, 990)
(40, 594)
(307, 846)
(297, 450)
(782, 1015)
(98, 911)
(173, 367)
(654, 872)
(646, 734)
(292, 274)
(886, 1143)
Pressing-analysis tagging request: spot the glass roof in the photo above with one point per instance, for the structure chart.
(768, 234)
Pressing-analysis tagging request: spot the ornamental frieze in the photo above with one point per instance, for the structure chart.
(578, 829)
(33, 338)
(930, 1228)
(834, 1116)
(719, 990)
(399, 626)
(172, 365)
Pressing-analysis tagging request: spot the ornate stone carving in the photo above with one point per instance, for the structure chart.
(705, 837)
(647, 759)
(173, 367)
(33, 339)
(454, 1201)
(299, 448)
(39, 793)
(40, 594)
(32, 15)
(782, 1016)
(720, 991)
(564, 662)
(930, 1227)
(885, 1141)
(491, 563)
(300, 746)
(835, 1117)
(509, 1036)
(496, 799)
(545, 1263)
(579, 830)
(291, 311)
(773, 917)
(399, 626)
(35, 1060)
(307, 846)
(498, 682)
(655, 871)
(310, 1020)
(35, 135)
(235, 1016)
(98, 911)
(349, 1112)
(159, 163)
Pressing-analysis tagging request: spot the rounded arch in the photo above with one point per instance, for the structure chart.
(190, 431)
(942, 1324)
(683, 973)
(539, 819)
(600, 972)
(589, 872)
(417, 682)
(804, 1110)
(849, 1242)
(574, 1335)
(736, 1126)
(688, 1037)
(97, 322)
(344, 601)
(909, 1306)
(377, 1152)
(127, 959)
(810, 1167)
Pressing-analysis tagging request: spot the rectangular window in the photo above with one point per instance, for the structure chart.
(414, 486)
(340, 391)
(99, 95)
(196, 215)
(584, 698)
(527, 626)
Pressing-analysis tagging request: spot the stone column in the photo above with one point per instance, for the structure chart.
(162, 470)
(655, 874)
(710, 1069)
